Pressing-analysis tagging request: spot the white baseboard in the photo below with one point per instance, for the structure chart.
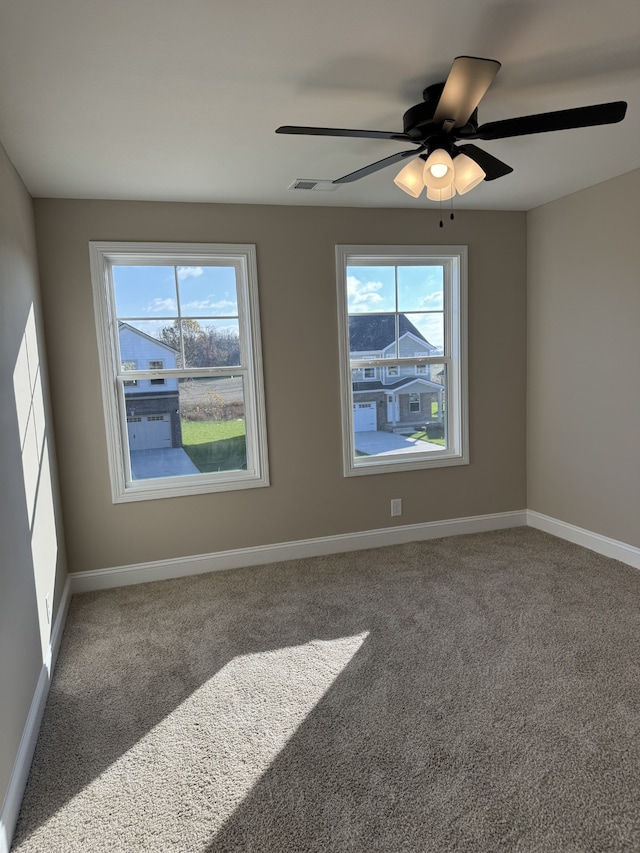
(22, 764)
(579, 536)
(242, 557)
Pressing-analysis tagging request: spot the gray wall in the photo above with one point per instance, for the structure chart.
(309, 496)
(584, 359)
(32, 562)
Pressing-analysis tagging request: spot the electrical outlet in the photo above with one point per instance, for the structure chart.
(47, 604)
(396, 506)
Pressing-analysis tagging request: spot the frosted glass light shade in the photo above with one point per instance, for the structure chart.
(440, 162)
(409, 178)
(467, 174)
(441, 195)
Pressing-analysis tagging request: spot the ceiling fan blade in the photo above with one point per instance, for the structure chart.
(546, 122)
(492, 167)
(379, 164)
(339, 131)
(468, 80)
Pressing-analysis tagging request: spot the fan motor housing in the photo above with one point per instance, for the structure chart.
(418, 121)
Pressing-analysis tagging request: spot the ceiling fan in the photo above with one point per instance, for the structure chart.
(448, 116)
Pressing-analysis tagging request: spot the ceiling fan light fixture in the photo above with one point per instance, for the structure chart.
(438, 170)
(443, 194)
(410, 179)
(468, 174)
(448, 115)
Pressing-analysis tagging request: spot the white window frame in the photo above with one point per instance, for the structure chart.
(454, 262)
(103, 255)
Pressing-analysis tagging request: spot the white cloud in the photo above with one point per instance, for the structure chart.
(207, 306)
(432, 302)
(431, 328)
(162, 306)
(363, 296)
(189, 272)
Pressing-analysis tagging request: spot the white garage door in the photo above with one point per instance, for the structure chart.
(149, 431)
(364, 417)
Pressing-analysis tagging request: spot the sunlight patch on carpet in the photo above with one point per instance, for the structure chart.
(195, 767)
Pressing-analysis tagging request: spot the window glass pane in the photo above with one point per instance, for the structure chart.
(405, 418)
(207, 291)
(427, 334)
(144, 291)
(213, 423)
(211, 343)
(420, 288)
(194, 426)
(155, 342)
(372, 334)
(370, 289)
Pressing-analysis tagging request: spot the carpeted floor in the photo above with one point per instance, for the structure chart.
(477, 693)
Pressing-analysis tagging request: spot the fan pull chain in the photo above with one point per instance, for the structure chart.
(451, 214)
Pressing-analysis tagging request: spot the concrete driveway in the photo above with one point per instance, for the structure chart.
(374, 442)
(161, 462)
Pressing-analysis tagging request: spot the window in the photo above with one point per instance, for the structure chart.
(181, 368)
(156, 364)
(129, 365)
(406, 304)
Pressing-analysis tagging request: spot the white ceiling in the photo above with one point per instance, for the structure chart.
(166, 100)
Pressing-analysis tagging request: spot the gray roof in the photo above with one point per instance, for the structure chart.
(374, 332)
(376, 385)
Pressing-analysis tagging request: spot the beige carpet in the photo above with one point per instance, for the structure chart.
(477, 693)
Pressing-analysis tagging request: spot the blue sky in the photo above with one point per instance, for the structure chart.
(419, 294)
(150, 292)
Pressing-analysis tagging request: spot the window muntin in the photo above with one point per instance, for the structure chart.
(192, 419)
(408, 306)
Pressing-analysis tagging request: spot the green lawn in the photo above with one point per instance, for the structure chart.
(215, 445)
(422, 436)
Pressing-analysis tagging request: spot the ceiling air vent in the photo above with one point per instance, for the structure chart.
(313, 184)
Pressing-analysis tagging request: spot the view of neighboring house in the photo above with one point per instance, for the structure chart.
(153, 404)
(392, 397)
